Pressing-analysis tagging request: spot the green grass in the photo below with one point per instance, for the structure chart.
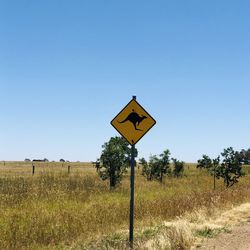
(54, 210)
(210, 233)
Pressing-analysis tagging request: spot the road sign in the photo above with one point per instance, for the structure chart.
(133, 122)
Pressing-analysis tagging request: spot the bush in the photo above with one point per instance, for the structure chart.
(229, 169)
(178, 168)
(157, 167)
(114, 160)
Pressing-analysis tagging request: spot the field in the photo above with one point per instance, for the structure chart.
(54, 209)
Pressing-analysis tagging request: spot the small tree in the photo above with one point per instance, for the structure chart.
(178, 168)
(211, 165)
(164, 164)
(96, 164)
(114, 160)
(205, 163)
(230, 168)
(157, 167)
(146, 169)
(27, 160)
(62, 160)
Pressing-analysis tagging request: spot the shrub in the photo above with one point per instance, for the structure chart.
(114, 160)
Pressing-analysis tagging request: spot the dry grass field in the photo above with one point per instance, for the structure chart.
(56, 210)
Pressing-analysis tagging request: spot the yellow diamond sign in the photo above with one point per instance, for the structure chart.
(133, 122)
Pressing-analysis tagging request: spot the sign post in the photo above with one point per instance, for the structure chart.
(132, 191)
(132, 188)
(133, 122)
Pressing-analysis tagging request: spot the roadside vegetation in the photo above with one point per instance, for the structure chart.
(63, 205)
(56, 210)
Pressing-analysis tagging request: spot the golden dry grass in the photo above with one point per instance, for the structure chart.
(54, 210)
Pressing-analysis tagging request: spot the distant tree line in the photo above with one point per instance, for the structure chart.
(245, 154)
(36, 160)
(42, 160)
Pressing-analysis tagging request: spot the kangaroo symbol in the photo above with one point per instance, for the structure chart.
(134, 118)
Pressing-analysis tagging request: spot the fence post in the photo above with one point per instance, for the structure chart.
(33, 169)
(68, 169)
(214, 177)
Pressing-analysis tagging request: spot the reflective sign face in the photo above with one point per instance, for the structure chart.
(133, 122)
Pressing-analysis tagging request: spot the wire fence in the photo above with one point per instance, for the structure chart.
(20, 168)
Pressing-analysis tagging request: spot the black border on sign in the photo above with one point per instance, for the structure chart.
(143, 110)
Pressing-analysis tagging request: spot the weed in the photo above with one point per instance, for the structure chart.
(211, 232)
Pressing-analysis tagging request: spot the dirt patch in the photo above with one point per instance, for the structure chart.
(237, 239)
(233, 233)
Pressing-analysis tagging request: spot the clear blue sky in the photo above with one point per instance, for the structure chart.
(68, 67)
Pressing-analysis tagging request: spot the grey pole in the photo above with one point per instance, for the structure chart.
(132, 186)
(132, 181)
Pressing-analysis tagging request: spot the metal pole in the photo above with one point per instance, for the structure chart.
(132, 181)
(132, 187)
